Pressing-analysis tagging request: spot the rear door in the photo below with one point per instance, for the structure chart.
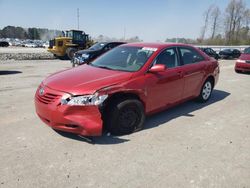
(194, 66)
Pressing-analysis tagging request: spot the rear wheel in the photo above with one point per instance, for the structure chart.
(70, 52)
(206, 91)
(125, 116)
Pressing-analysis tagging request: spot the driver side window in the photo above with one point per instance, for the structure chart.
(168, 58)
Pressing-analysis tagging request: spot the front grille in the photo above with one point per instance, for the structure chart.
(247, 61)
(47, 98)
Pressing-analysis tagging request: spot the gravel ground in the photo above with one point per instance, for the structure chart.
(192, 145)
(23, 53)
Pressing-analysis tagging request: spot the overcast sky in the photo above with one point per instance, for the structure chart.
(151, 20)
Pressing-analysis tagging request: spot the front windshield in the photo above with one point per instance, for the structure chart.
(124, 58)
(97, 46)
(247, 51)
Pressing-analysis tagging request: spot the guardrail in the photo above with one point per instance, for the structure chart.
(219, 48)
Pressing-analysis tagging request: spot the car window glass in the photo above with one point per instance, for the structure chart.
(168, 58)
(247, 51)
(109, 46)
(124, 58)
(190, 56)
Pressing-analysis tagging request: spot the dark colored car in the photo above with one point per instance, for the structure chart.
(118, 89)
(243, 63)
(88, 55)
(229, 53)
(210, 52)
(4, 44)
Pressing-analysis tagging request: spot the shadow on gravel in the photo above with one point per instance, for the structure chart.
(184, 109)
(102, 140)
(4, 72)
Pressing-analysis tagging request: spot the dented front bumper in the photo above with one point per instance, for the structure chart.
(82, 120)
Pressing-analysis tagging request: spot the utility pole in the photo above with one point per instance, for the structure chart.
(78, 18)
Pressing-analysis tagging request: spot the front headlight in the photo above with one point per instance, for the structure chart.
(241, 61)
(84, 100)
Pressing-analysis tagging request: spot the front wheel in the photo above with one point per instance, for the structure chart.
(206, 91)
(70, 52)
(125, 116)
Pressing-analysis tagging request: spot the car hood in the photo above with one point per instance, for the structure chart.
(245, 56)
(85, 79)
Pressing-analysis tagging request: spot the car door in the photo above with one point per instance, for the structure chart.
(194, 65)
(165, 88)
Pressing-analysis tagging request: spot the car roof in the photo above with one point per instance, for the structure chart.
(156, 45)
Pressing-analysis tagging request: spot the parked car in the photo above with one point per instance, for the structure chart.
(85, 56)
(229, 53)
(243, 63)
(117, 90)
(210, 52)
(4, 44)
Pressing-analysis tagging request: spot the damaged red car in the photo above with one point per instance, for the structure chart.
(116, 91)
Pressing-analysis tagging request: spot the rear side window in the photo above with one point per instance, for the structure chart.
(168, 58)
(190, 56)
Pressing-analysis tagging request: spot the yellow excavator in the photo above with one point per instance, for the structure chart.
(64, 47)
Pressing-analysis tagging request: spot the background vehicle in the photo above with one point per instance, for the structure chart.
(118, 89)
(210, 52)
(65, 47)
(243, 63)
(229, 53)
(4, 44)
(85, 56)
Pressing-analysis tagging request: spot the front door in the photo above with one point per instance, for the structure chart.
(165, 88)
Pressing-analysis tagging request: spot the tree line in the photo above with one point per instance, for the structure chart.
(228, 27)
(29, 33)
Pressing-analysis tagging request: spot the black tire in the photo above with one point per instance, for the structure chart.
(238, 71)
(124, 116)
(206, 91)
(70, 52)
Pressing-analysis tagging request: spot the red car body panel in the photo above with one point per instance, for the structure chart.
(243, 67)
(174, 85)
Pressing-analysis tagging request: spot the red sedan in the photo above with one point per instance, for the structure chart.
(117, 90)
(243, 63)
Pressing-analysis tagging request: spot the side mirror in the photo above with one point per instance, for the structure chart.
(157, 68)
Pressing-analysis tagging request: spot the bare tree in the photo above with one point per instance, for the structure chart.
(206, 21)
(234, 15)
(246, 18)
(215, 14)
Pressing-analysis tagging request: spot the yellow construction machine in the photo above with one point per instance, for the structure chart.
(64, 47)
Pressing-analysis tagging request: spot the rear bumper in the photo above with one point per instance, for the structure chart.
(245, 67)
(82, 120)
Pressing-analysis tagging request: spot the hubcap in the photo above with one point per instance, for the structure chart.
(206, 90)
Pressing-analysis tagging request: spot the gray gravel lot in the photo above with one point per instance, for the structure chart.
(192, 145)
(24, 53)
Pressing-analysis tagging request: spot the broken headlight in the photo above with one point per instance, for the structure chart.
(84, 100)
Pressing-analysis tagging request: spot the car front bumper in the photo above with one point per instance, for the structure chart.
(82, 120)
(245, 67)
